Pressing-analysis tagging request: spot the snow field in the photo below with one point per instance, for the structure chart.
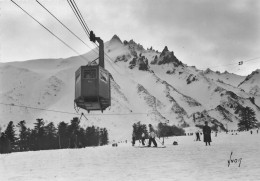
(190, 160)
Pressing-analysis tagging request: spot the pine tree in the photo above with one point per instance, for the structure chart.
(73, 131)
(5, 145)
(51, 134)
(165, 130)
(139, 129)
(96, 137)
(63, 135)
(23, 136)
(90, 133)
(247, 119)
(33, 141)
(10, 136)
(81, 138)
(2, 145)
(40, 133)
(92, 136)
(10, 132)
(103, 136)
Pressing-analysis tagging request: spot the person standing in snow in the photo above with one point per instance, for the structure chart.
(133, 138)
(197, 136)
(143, 139)
(207, 133)
(151, 136)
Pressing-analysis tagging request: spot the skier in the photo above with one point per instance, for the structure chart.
(197, 136)
(133, 138)
(207, 133)
(151, 136)
(143, 139)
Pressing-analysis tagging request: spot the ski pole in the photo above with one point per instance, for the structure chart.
(159, 141)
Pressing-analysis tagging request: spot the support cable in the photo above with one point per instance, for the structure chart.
(81, 20)
(63, 24)
(234, 63)
(78, 17)
(49, 31)
(77, 9)
(65, 112)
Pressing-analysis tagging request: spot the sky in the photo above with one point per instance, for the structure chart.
(202, 33)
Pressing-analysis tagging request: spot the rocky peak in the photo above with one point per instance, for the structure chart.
(207, 71)
(165, 49)
(115, 38)
(133, 47)
(141, 62)
(132, 42)
(226, 72)
(168, 57)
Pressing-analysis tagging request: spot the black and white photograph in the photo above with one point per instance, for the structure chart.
(129, 90)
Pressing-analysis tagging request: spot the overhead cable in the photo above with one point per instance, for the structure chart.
(235, 63)
(62, 24)
(65, 112)
(78, 17)
(49, 30)
(81, 16)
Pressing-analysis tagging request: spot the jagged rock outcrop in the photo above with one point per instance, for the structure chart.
(141, 62)
(155, 60)
(167, 57)
(123, 58)
(207, 71)
(133, 47)
(191, 78)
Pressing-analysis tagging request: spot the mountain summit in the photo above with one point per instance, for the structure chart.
(115, 38)
(166, 57)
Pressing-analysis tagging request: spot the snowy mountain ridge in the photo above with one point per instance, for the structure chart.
(147, 86)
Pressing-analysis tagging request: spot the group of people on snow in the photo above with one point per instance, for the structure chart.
(206, 132)
(151, 137)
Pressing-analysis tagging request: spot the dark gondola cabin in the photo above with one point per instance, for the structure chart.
(92, 88)
(92, 83)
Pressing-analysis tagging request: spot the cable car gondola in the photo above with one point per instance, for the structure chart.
(92, 83)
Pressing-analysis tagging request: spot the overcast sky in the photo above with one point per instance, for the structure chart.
(204, 33)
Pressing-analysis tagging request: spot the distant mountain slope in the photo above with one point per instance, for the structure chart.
(251, 83)
(228, 78)
(147, 86)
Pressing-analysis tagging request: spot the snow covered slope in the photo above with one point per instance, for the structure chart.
(251, 83)
(147, 86)
(225, 77)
